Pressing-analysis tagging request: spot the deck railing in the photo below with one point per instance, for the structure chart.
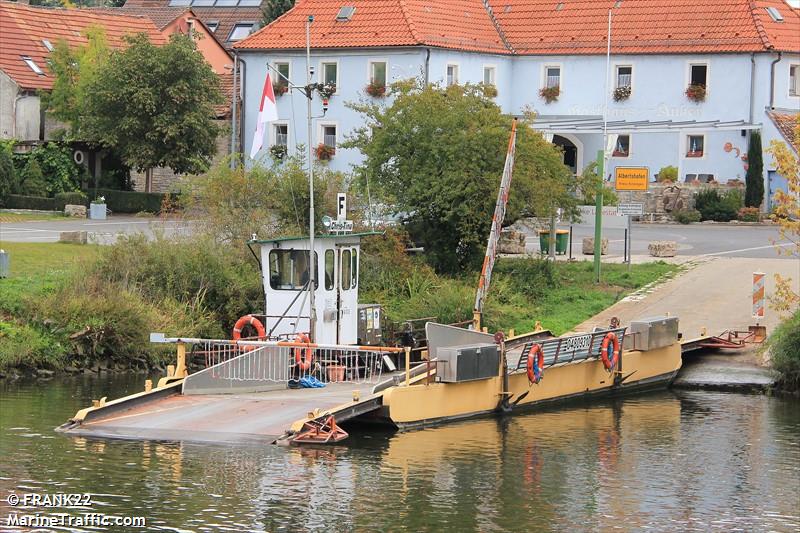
(569, 348)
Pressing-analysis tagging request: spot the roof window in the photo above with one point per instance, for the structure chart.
(240, 31)
(560, 6)
(345, 13)
(212, 25)
(47, 44)
(775, 14)
(34, 67)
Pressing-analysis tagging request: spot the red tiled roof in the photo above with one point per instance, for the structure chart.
(226, 87)
(540, 26)
(787, 124)
(22, 29)
(458, 24)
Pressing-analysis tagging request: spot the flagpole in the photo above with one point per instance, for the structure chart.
(312, 264)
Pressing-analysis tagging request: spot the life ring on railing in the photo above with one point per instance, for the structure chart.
(535, 367)
(303, 356)
(248, 320)
(609, 350)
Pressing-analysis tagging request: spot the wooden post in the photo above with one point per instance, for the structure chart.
(180, 368)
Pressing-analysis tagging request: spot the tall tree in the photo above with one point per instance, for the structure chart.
(154, 105)
(436, 155)
(273, 9)
(754, 191)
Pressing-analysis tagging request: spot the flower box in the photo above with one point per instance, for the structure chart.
(376, 90)
(696, 93)
(325, 152)
(622, 93)
(550, 94)
(280, 89)
(696, 153)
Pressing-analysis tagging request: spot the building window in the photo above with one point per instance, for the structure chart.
(240, 31)
(329, 136)
(698, 74)
(552, 77)
(282, 77)
(794, 80)
(624, 76)
(33, 66)
(281, 135)
(452, 75)
(623, 146)
(330, 74)
(212, 25)
(695, 145)
(489, 76)
(377, 73)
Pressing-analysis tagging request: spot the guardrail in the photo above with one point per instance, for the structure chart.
(570, 348)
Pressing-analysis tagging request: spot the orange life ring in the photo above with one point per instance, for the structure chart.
(303, 356)
(609, 350)
(248, 320)
(535, 368)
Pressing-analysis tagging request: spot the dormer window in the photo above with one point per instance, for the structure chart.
(33, 66)
(345, 13)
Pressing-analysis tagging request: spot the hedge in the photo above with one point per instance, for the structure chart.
(129, 201)
(40, 203)
(70, 198)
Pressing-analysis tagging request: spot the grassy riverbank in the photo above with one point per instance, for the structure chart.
(72, 306)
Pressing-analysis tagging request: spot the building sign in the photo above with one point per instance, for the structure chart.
(631, 209)
(341, 207)
(759, 295)
(342, 226)
(631, 178)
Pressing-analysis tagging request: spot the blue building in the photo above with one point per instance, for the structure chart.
(688, 81)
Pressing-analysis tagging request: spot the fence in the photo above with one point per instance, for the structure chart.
(255, 366)
(569, 349)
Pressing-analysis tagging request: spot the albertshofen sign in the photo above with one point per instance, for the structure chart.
(631, 178)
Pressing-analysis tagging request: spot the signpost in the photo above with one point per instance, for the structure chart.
(630, 180)
(759, 295)
(631, 209)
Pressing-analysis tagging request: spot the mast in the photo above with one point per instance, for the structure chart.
(494, 234)
(312, 265)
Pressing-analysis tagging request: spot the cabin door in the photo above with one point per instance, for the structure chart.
(347, 301)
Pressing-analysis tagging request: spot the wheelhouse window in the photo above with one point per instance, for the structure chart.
(623, 146)
(330, 74)
(624, 76)
(240, 31)
(346, 270)
(330, 269)
(552, 77)
(698, 74)
(794, 80)
(354, 270)
(288, 269)
(452, 75)
(377, 73)
(695, 145)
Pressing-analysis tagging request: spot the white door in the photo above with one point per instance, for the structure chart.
(348, 295)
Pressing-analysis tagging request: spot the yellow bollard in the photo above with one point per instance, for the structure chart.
(180, 369)
(356, 395)
(408, 366)
(703, 331)
(511, 333)
(148, 385)
(485, 329)
(170, 371)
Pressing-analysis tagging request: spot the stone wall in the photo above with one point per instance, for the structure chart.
(165, 180)
(664, 198)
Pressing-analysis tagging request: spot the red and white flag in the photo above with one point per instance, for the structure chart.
(268, 112)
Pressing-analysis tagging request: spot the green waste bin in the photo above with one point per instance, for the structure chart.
(562, 241)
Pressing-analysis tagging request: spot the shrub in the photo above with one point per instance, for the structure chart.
(19, 201)
(32, 181)
(70, 198)
(712, 206)
(8, 174)
(668, 174)
(686, 216)
(550, 94)
(532, 277)
(24, 346)
(749, 214)
(132, 202)
(754, 179)
(489, 90)
(784, 349)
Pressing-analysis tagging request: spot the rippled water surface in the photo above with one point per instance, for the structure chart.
(667, 461)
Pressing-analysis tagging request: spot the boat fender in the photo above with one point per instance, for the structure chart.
(248, 320)
(535, 363)
(303, 356)
(609, 350)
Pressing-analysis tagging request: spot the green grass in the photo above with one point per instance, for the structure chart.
(10, 217)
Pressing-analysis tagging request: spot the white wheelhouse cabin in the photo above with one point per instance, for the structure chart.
(284, 269)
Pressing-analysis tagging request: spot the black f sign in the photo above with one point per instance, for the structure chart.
(341, 206)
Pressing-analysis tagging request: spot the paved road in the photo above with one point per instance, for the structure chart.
(101, 231)
(693, 240)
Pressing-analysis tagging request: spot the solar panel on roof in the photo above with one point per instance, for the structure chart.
(345, 13)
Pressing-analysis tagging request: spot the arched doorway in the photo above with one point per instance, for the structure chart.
(573, 151)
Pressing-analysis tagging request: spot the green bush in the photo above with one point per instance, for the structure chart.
(531, 277)
(686, 216)
(668, 174)
(713, 206)
(132, 202)
(18, 201)
(8, 174)
(23, 346)
(31, 179)
(749, 214)
(784, 349)
(70, 198)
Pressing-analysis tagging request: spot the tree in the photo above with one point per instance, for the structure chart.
(154, 105)
(787, 214)
(437, 154)
(74, 70)
(275, 8)
(754, 192)
(8, 174)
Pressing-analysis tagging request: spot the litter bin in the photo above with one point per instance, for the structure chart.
(562, 241)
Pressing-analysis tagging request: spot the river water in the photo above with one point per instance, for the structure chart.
(665, 461)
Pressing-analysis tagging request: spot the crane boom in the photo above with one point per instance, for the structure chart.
(497, 224)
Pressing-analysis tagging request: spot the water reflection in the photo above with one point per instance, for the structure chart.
(665, 461)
